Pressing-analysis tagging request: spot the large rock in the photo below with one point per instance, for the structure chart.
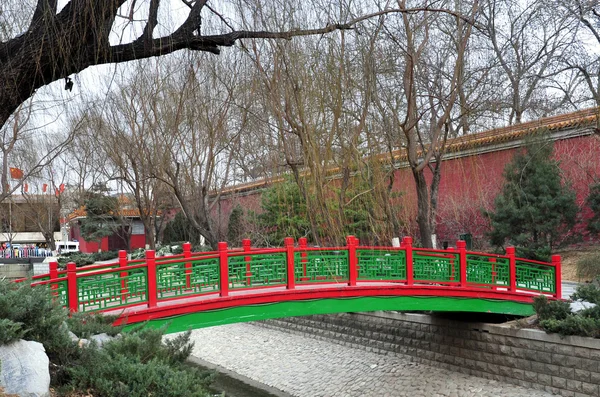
(24, 369)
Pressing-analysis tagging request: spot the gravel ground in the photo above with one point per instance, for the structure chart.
(302, 367)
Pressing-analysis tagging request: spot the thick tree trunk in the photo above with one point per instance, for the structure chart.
(423, 213)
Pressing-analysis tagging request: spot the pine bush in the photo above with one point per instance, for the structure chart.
(535, 209)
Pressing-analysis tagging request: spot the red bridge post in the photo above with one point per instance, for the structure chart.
(407, 241)
(452, 265)
(302, 244)
(187, 254)
(512, 268)
(557, 276)
(152, 284)
(223, 269)
(351, 243)
(289, 253)
(53, 276)
(247, 246)
(123, 274)
(462, 255)
(72, 287)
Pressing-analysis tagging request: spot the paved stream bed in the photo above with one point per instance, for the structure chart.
(305, 367)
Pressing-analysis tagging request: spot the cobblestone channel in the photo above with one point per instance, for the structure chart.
(305, 367)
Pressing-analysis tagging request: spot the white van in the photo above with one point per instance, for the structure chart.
(62, 247)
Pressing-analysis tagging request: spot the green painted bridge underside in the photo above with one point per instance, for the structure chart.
(241, 314)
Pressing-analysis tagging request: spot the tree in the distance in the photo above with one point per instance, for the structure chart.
(535, 208)
(100, 211)
(593, 201)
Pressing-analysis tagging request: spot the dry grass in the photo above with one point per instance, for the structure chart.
(569, 259)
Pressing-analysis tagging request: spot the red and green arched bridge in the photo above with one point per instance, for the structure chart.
(195, 290)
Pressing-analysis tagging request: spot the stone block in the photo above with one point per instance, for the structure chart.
(492, 348)
(518, 374)
(545, 380)
(595, 377)
(553, 390)
(567, 372)
(574, 385)
(580, 352)
(542, 357)
(530, 376)
(505, 371)
(559, 382)
(567, 361)
(590, 365)
(590, 388)
(524, 364)
(594, 354)
(582, 375)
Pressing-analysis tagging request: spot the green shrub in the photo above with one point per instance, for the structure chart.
(588, 292)
(139, 364)
(589, 267)
(573, 325)
(10, 331)
(85, 325)
(104, 255)
(80, 259)
(556, 310)
(41, 319)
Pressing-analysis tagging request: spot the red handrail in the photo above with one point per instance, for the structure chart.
(294, 280)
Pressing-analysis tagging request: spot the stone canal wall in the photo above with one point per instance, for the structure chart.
(567, 366)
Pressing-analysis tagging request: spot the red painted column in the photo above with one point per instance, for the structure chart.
(289, 252)
(72, 291)
(351, 243)
(223, 269)
(302, 243)
(152, 284)
(452, 265)
(247, 246)
(557, 276)
(187, 254)
(512, 269)
(461, 246)
(123, 274)
(407, 241)
(53, 276)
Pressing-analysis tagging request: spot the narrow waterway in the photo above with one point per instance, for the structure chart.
(230, 384)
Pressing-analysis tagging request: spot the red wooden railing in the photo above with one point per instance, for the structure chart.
(226, 272)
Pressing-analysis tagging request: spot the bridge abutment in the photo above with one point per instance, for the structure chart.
(530, 358)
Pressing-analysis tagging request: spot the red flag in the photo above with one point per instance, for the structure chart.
(44, 187)
(62, 187)
(16, 173)
(25, 188)
(56, 192)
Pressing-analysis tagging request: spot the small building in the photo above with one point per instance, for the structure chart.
(129, 233)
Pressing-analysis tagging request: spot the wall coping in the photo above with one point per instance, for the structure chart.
(498, 329)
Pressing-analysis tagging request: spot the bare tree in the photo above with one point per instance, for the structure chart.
(527, 39)
(586, 60)
(58, 42)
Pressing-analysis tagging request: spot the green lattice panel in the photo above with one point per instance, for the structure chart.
(321, 266)
(257, 270)
(381, 265)
(60, 293)
(175, 279)
(105, 291)
(435, 266)
(535, 277)
(487, 270)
